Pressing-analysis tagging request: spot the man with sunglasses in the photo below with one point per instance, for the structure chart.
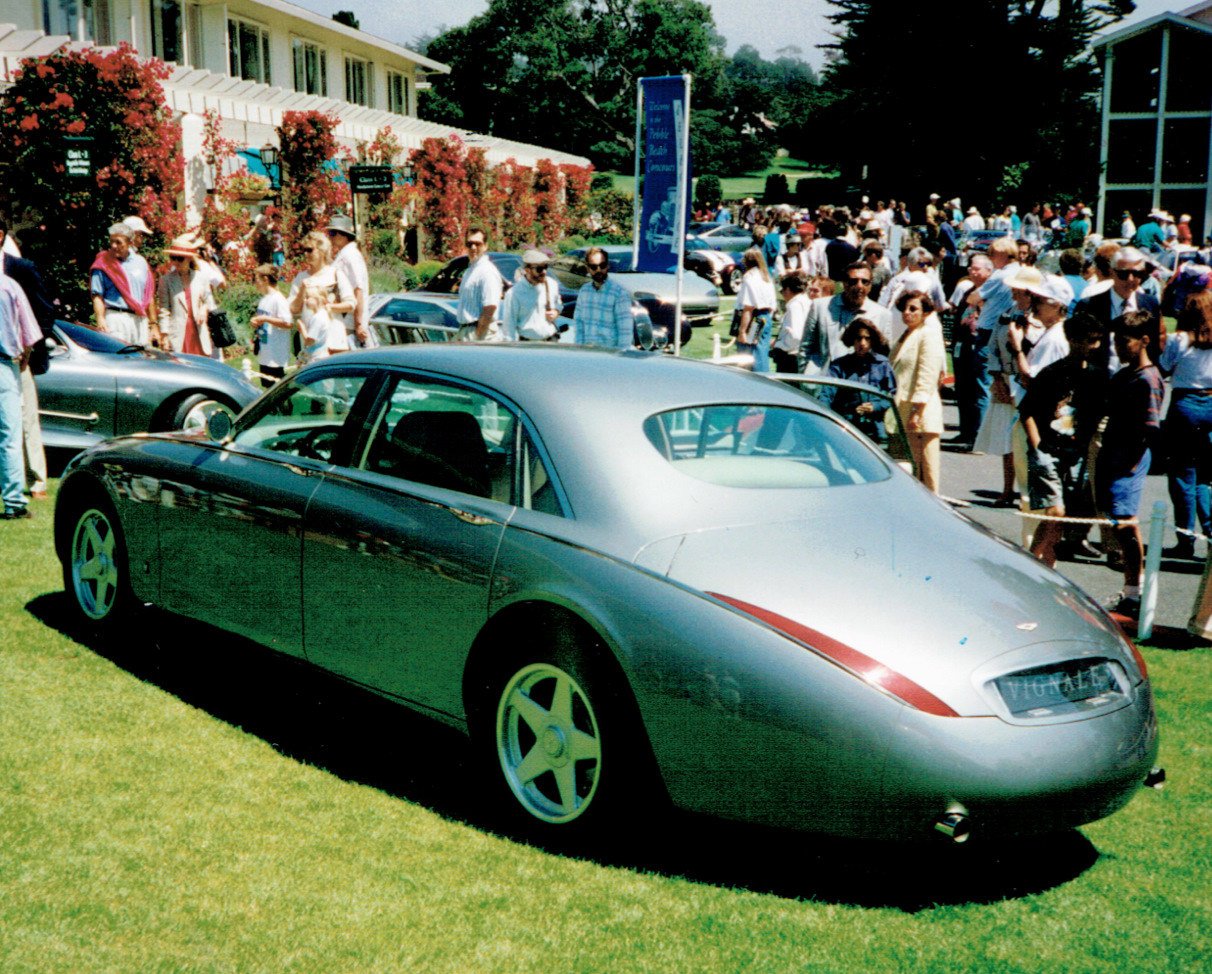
(1129, 270)
(603, 315)
(828, 317)
(533, 303)
(480, 293)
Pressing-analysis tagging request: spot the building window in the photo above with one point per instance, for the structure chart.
(359, 82)
(1131, 148)
(83, 20)
(1187, 70)
(311, 68)
(248, 51)
(166, 33)
(193, 31)
(1185, 150)
(397, 93)
(1136, 73)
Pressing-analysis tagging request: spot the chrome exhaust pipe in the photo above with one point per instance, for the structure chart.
(954, 826)
(1156, 779)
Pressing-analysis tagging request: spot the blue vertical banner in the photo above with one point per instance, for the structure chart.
(662, 228)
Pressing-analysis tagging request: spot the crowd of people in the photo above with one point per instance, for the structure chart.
(1060, 373)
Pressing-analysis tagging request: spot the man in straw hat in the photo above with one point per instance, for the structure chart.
(349, 260)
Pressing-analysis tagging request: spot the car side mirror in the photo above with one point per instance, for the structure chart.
(218, 426)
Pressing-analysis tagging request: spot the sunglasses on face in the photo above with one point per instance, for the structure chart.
(597, 267)
(1138, 272)
(475, 243)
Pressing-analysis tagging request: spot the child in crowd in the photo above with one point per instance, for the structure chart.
(272, 323)
(1134, 404)
(1060, 412)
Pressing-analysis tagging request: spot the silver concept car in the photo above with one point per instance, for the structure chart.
(630, 579)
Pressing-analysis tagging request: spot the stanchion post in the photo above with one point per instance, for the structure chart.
(1148, 602)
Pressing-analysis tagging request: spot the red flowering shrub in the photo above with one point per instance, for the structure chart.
(116, 99)
(521, 208)
(577, 180)
(551, 216)
(311, 191)
(441, 166)
(225, 222)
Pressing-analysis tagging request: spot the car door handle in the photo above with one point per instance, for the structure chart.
(470, 518)
(90, 418)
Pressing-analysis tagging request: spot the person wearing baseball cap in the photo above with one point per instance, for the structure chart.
(532, 305)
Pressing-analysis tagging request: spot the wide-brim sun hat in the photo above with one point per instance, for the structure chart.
(1027, 279)
(341, 224)
(186, 245)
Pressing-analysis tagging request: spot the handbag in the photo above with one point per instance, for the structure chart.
(735, 328)
(221, 332)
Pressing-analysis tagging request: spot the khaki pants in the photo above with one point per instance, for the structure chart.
(35, 456)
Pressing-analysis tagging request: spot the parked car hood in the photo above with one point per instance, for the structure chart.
(896, 588)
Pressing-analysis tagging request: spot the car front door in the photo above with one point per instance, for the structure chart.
(231, 525)
(399, 549)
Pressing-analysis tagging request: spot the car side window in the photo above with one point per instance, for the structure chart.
(448, 436)
(305, 419)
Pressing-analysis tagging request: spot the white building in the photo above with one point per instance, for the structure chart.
(252, 60)
(1157, 120)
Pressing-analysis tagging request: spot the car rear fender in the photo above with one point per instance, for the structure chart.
(742, 721)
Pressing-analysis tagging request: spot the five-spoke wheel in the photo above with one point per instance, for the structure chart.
(548, 742)
(95, 572)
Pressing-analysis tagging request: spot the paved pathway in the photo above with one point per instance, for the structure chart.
(978, 479)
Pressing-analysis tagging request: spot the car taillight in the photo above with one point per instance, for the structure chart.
(861, 665)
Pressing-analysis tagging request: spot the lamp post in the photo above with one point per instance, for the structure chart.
(269, 159)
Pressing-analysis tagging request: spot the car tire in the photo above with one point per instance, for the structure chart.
(732, 281)
(193, 411)
(560, 734)
(96, 574)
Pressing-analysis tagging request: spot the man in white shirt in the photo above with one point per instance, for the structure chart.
(794, 292)
(793, 259)
(480, 293)
(349, 260)
(532, 304)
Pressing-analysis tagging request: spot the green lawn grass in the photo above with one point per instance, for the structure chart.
(188, 803)
(751, 184)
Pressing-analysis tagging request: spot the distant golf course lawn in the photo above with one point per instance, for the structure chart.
(751, 184)
(187, 802)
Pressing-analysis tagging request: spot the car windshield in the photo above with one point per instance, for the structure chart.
(745, 445)
(94, 341)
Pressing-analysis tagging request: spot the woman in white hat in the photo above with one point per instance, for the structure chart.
(184, 298)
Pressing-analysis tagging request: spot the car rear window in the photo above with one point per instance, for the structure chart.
(758, 446)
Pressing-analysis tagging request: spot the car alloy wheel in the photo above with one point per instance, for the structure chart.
(96, 565)
(548, 742)
(733, 281)
(194, 414)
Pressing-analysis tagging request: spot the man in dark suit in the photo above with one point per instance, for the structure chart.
(1128, 270)
(25, 274)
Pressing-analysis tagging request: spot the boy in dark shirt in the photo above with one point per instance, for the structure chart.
(1134, 403)
(1060, 412)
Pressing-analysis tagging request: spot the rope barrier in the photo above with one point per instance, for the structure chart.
(1036, 516)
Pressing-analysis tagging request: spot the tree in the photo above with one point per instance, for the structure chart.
(347, 18)
(116, 99)
(567, 71)
(890, 75)
(707, 189)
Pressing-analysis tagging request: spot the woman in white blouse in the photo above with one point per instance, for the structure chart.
(318, 295)
(757, 302)
(1187, 359)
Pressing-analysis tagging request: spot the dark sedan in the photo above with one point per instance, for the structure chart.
(97, 386)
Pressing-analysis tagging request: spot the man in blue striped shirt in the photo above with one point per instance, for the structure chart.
(603, 315)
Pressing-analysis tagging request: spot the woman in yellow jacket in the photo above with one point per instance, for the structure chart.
(918, 360)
